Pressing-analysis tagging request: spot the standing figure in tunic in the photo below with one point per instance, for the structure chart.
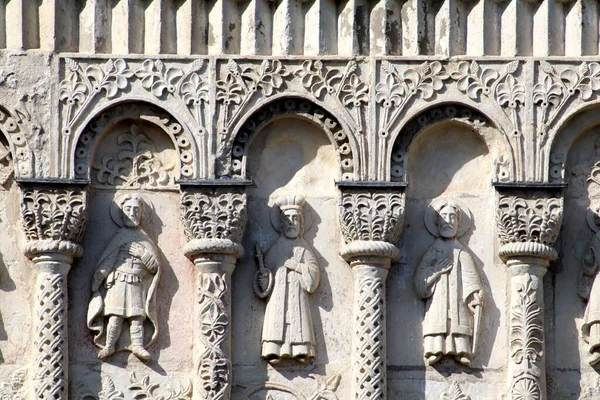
(448, 278)
(124, 284)
(289, 274)
(589, 287)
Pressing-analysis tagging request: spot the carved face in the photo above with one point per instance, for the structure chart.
(291, 223)
(132, 212)
(448, 221)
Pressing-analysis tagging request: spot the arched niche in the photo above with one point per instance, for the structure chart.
(152, 121)
(580, 144)
(292, 155)
(235, 153)
(135, 148)
(563, 139)
(446, 154)
(502, 155)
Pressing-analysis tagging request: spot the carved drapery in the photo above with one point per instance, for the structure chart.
(213, 219)
(54, 223)
(371, 221)
(528, 225)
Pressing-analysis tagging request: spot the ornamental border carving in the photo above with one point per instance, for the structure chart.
(184, 144)
(232, 156)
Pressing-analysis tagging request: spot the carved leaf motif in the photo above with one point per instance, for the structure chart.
(135, 165)
(158, 79)
(454, 392)
(355, 92)
(536, 220)
(389, 93)
(547, 93)
(526, 334)
(216, 215)
(229, 91)
(144, 389)
(510, 93)
(366, 216)
(195, 90)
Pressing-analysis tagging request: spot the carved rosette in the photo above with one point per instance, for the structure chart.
(371, 222)
(54, 223)
(528, 226)
(213, 219)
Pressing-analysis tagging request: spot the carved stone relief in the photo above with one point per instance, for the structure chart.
(448, 278)
(286, 277)
(125, 283)
(135, 151)
(326, 390)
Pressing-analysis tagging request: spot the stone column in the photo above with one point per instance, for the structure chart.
(528, 225)
(371, 219)
(213, 218)
(54, 222)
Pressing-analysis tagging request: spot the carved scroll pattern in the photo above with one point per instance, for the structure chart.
(369, 341)
(326, 388)
(216, 213)
(526, 342)
(372, 216)
(50, 365)
(58, 215)
(141, 388)
(214, 368)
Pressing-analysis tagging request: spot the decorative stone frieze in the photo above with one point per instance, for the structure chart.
(371, 220)
(528, 225)
(213, 216)
(54, 221)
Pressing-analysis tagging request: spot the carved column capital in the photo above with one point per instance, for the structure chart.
(528, 225)
(371, 219)
(213, 216)
(53, 219)
(213, 219)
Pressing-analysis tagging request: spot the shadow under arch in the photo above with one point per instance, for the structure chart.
(234, 153)
(87, 138)
(495, 141)
(565, 135)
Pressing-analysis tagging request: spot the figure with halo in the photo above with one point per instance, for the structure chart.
(589, 286)
(124, 284)
(290, 272)
(448, 279)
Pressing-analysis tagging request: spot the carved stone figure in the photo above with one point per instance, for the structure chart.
(289, 274)
(124, 285)
(589, 287)
(448, 278)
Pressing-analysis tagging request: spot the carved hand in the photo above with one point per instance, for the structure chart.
(136, 250)
(445, 265)
(475, 301)
(291, 264)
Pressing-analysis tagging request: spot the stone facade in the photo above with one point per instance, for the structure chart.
(299, 200)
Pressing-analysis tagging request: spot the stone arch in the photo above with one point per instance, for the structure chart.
(13, 138)
(562, 138)
(397, 157)
(234, 154)
(87, 141)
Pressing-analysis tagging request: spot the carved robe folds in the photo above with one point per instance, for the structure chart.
(447, 327)
(288, 323)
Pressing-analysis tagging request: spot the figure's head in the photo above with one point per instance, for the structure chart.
(133, 210)
(448, 220)
(291, 216)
